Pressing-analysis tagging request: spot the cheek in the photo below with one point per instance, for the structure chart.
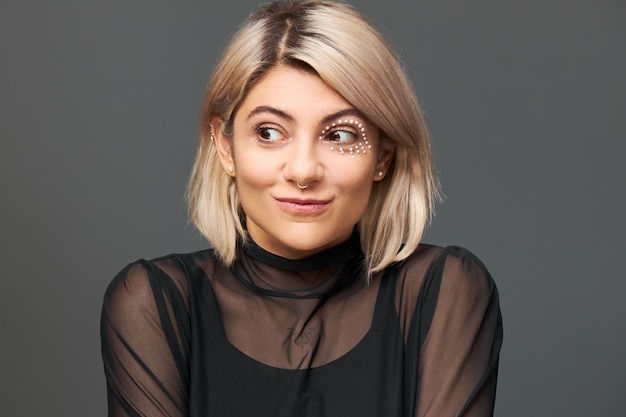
(253, 169)
(356, 180)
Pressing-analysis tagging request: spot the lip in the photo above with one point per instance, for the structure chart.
(303, 205)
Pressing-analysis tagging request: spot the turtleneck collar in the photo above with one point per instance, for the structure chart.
(317, 276)
(340, 254)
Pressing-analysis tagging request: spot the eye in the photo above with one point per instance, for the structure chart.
(347, 136)
(341, 136)
(268, 134)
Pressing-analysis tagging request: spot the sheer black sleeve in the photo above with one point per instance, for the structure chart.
(457, 330)
(145, 332)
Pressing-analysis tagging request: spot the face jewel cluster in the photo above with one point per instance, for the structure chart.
(360, 147)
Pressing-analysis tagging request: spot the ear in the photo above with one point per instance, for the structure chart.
(385, 156)
(223, 145)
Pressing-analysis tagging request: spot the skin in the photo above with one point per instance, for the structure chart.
(276, 144)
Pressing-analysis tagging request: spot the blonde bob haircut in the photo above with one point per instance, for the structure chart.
(339, 44)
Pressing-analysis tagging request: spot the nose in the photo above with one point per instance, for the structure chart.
(304, 165)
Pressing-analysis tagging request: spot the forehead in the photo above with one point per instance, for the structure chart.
(295, 91)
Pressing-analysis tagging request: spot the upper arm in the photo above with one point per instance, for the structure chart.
(458, 355)
(143, 344)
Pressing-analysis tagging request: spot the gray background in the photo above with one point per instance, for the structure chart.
(99, 107)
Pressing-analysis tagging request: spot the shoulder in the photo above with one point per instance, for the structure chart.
(462, 273)
(129, 290)
(452, 261)
(445, 272)
(134, 288)
(443, 286)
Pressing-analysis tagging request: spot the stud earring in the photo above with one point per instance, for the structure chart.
(230, 169)
(380, 173)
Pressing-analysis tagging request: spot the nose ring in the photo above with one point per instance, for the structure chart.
(302, 187)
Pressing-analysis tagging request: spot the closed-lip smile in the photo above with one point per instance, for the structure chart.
(303, 205)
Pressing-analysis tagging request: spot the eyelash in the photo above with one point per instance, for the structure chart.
(259, 130)
(327, 136)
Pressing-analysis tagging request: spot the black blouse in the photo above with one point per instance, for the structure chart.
(184, 335)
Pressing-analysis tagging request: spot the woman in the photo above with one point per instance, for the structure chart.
(313, 182)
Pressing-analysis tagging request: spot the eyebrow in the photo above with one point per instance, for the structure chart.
(341, 113)
(269, 109)
(284, 115)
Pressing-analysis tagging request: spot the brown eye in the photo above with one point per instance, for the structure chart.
(268, 134)
(342, 136)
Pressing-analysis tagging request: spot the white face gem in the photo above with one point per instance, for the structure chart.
(353, 127)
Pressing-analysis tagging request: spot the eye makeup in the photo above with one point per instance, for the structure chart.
(357, 143)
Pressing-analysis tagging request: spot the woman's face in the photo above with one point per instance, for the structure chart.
(304, 161)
